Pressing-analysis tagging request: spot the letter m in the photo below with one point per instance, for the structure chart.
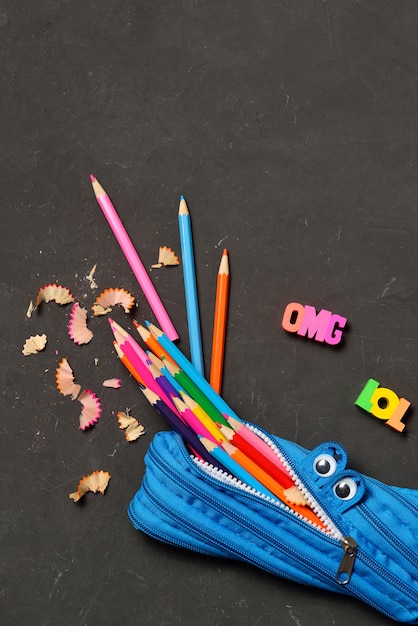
(313, 324)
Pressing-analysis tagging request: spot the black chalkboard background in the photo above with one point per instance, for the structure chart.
(291, 129)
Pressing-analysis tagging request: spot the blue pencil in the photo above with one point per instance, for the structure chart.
(191, 371)
(190, 287)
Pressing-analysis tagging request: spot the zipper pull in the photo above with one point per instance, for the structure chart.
(347, 562)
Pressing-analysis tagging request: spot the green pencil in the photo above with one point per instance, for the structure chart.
(195, 393)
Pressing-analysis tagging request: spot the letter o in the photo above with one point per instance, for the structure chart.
(293, 316)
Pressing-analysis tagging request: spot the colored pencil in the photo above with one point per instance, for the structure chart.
(176, 423)
(202, 417)
(191, 371)
(192, 421)
(252, 438)
(190, 287)
(122, 336)
(151, 342)
(291, 492)
(125, 361)
(268, 482)
(138, 363)
(196, 393)
(133, 259)
(222, 457)
(162, 366)
(219, 324)
(162, 380)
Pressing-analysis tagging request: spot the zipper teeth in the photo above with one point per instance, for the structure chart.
(160, 535)
(314, 505)
(360, 555)
(228, 479)
(314, 566)
(407, 589)
(392, 538)
(231, 480)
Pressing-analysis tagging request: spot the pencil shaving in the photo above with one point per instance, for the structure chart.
(133, 429)
(91, 409)
(65, 380)
(89, 277)
(166, 256)
(115, 383)
(30, 310)
(112, 297)
(34, 344)
(77, 326)
(57, 293)
(94, 482)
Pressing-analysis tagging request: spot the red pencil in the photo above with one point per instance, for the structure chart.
(291, 492)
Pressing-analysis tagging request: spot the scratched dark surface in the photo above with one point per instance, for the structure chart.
(291, 129)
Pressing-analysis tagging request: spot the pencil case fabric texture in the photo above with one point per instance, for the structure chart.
(369, 548)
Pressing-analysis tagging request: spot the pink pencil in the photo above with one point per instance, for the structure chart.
(133, 259)
(139, 361)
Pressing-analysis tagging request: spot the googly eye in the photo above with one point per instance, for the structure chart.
(325, 465)
(345, 489)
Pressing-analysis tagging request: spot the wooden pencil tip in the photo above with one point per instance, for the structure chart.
(209, 445)
(225, 251)
(92, 178)
(183, 210)
(154, 329)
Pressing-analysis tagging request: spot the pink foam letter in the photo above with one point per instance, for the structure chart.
(333, 336)
(315, 325)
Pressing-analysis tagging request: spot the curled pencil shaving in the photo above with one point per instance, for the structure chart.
(115, 383)
(77, 326)
(34, 344)
(58, 293)
(133, 429)
(89, 277)
(94, 482)
(112, 297)
(65, 380)
(92, 408)
(166, 256)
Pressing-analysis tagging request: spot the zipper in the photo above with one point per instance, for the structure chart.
(345, 570)
(348, 544)
(161, 536)
(390, 536)
(312, 565)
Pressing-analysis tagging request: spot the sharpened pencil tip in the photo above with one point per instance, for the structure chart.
(110, 320)
(92, 178)
(183, 210)
(147, 323)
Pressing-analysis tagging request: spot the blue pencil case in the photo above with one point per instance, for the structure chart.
(369, 549)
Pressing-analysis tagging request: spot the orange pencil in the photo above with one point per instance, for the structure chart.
(127, 363)
(269, 482)
(152, 343)
(219, 323)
